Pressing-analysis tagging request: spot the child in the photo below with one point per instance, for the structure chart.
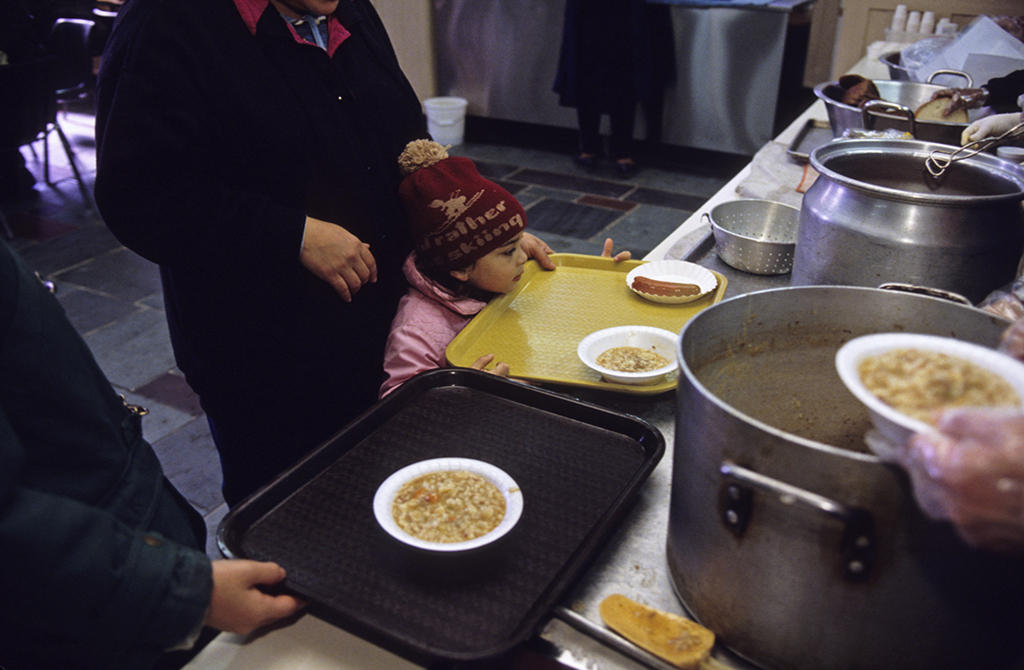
(467, 233)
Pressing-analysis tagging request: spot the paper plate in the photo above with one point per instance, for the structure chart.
(677, 272)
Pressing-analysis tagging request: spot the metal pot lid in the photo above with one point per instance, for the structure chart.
(894, 169)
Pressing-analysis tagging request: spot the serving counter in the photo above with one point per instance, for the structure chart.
(633, 561)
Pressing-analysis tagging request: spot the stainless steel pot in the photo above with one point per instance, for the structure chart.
(874, 215)
(799, 548)
(899, 100)
(897, 72)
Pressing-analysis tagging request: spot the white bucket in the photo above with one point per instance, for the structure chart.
(446, 119)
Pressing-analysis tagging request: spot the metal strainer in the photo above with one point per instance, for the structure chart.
(756, 236)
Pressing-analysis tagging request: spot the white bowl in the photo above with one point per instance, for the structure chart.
(679, 272)
(892, 425)
(659, 340)
(386, 492)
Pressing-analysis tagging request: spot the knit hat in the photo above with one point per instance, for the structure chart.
(456, 216)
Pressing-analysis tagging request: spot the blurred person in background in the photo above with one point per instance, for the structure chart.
(614, 54)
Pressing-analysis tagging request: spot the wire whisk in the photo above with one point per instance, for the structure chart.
(939, 159)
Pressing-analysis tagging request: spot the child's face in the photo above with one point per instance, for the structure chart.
(499, 270)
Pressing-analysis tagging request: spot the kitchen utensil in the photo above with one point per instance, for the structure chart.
(895, 109)
(579, 465)
(874, 215)
(940, 158)
(756, 236)
(786, 537)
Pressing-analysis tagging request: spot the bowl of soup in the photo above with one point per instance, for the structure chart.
(448, 505)
(630, 354)
(905, 380)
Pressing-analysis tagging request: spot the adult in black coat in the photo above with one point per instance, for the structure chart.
(249, 147)
(614, 54)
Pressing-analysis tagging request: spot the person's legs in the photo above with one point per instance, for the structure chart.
(589, 119)
(623, 122)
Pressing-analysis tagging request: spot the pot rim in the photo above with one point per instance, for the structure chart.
(920, 149)
(687, 372)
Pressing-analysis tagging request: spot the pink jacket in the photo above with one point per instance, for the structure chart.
(428, 318)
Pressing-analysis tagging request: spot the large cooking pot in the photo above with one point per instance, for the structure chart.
(874, 215)
(799, 548)
(899, 100)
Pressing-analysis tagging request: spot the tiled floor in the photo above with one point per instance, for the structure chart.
(113, 296)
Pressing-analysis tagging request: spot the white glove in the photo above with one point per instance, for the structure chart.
(989, 126)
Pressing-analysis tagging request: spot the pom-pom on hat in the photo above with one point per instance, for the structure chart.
(456, 215)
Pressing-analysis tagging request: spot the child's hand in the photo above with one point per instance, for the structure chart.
(501, 369)
(538, 250)
(607, 253)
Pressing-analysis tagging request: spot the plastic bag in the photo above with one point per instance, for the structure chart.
(970, 471)
(1007, 302)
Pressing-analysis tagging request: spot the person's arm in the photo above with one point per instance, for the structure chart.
(75, 569)
(163, 181)
(78, 572)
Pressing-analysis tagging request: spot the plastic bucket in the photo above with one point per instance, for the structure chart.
(446, 119)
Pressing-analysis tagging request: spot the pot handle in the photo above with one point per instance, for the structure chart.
(926, 290)
(858, 543)
(954, 73)
(872, 107)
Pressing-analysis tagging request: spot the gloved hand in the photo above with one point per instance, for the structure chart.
(1012, 341)
(989, 126)
(971, 472)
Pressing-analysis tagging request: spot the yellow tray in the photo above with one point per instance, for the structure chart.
(536, 327)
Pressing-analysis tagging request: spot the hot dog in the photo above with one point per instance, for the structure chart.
(664, 288)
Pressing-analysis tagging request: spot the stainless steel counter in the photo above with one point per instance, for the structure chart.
(634, 562)
(502, 57)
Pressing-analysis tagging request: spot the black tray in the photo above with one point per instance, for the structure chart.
(578, 466)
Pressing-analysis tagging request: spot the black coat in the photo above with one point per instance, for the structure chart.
(213, 145)
(101, 561)
(614, 49)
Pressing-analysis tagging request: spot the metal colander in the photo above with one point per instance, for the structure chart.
(756, 236)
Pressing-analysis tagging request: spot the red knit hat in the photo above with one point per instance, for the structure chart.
(456, 216)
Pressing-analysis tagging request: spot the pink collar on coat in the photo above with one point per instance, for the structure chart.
(252, 10)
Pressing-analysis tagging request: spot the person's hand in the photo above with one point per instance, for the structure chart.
(238, 605)
(990, 126)
(1012, 341)
(971, 472)
(961, 98)
(619, 257)
(537, 249)
(501, 369)
(338, 257)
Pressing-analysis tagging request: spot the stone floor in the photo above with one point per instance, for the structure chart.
(113, 296)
